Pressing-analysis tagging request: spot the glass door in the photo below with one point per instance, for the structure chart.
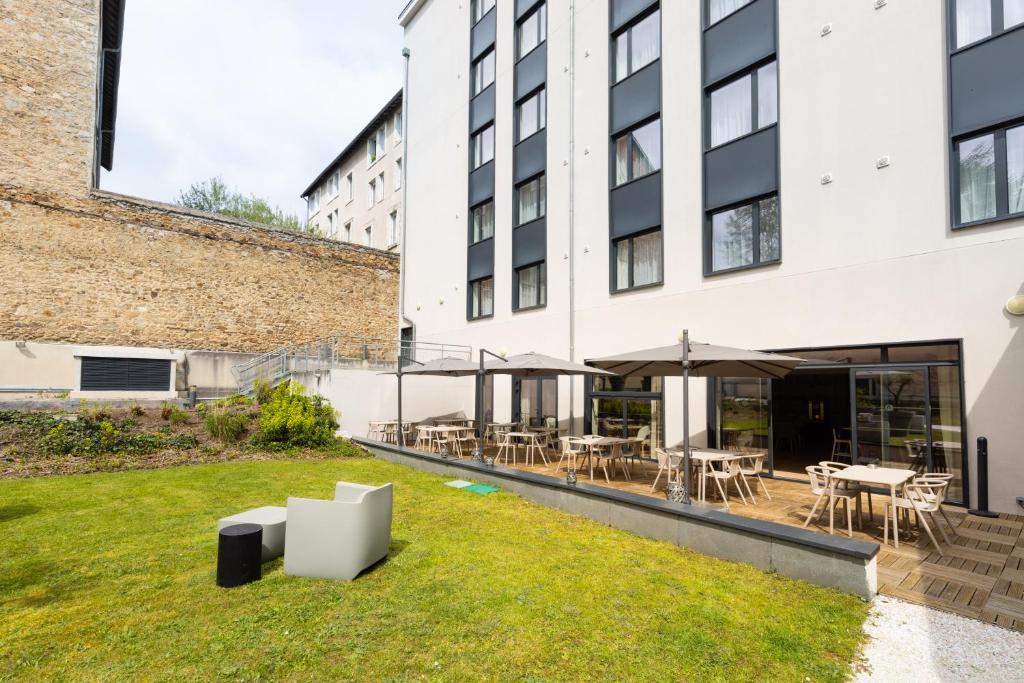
(892, 418)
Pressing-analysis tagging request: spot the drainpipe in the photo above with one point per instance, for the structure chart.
(572, 214)
(405, 190)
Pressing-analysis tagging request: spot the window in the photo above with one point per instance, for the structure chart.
(638, 152)
(481, 298)
(381, 137)
(979, 19)
(398, 174)
(720, 9)
(531, 115)
(348, 187)
(531, 31)
(638, 45)
(372, 196)
(483, 222)
(330, 224)
(375, 146)
(380, 187)
(368, 236)
(530, 200)
(483, 73)
(638, 260)
(313, 202)
(393, 228)
(332, 185)
(535, 401)
(397, 125)
(531, 289)
(745, 236)
(480, 8)
(732, 113)
(985, 193)
(482, 146)
(347, 234)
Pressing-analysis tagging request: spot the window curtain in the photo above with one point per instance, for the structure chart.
(622, 264)
(622, 159)
(977, 179)
(732, 238)
(973, 21)
(531, 286)
(717, 9)
(1015, 166)
(647, 259)
(730, 111)
(646, 42)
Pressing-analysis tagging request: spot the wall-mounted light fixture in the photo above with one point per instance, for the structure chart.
(826, 29)
(1015, 305)
(20, 345)
(826, 178)
(883, 162)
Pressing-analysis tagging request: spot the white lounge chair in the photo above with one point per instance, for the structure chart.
(337, 539)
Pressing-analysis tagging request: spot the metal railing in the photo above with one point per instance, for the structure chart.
(340, 351)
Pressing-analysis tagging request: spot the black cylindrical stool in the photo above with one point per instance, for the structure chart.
(239, 550)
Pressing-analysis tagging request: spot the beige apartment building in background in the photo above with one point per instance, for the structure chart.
(358, 197)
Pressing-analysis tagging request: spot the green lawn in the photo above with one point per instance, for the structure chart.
(111, 577)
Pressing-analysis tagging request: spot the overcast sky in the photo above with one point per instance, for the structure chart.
(263, 93)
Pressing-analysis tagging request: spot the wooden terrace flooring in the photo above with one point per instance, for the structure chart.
(980, 574)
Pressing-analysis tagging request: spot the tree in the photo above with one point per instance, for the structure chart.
(214, 196)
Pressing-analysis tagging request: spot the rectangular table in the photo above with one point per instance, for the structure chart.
(890, 477)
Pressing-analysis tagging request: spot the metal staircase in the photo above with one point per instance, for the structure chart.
(338, 351)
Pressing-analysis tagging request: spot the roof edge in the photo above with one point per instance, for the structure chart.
(411, 8)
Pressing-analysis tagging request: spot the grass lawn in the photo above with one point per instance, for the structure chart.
(111, 577)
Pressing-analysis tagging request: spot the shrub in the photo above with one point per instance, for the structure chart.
(201, 408)
(183, 441)
(291, 418)
(236, 400)
(88, 437)
(263, 392)
(136, 410)
(225, 425)
(173, 413)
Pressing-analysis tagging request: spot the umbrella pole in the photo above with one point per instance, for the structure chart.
(686, 416)
(478, 452)
(399, 430)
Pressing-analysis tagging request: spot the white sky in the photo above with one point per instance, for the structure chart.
(263, 93)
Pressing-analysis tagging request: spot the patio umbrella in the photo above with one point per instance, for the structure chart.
(699, 360)
(440, 367)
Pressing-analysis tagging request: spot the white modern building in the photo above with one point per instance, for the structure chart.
(358, 196)
(838, 179)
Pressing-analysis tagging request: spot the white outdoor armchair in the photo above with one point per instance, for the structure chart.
(337, 539)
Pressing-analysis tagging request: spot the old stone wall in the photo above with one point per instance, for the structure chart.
(84, 266)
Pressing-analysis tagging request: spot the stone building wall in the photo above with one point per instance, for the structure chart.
(89, 267)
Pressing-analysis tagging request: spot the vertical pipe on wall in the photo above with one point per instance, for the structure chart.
(405, 189)
(572, 223)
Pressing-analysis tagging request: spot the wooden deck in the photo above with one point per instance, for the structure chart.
(979, 575)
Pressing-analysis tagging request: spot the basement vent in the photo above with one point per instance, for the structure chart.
(125, 374)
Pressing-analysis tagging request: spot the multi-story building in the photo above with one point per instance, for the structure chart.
(358, 196)
(842, 180)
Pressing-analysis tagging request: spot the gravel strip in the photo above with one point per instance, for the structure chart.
(914, 643)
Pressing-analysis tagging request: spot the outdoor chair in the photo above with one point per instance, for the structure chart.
(850, 486)
(752, 466)
(940, 499)
(337, 539)
(642, 437)
(824, 487)
(839, 444)
(449, 441)
(506, 444)
(572, 448)
(667, 462)
(731, 472)
(924, 499)
(465, 440)
(607, 456)
(631, 452)
(424, 439)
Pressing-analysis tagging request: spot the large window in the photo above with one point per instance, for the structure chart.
(348, 188)
(535, 400)
(482, 146)
(720, 9)
(744, 236)
(483, 222)
(638, 260)
(480, 8)
(743, 105)
(637, 45)
(481, 298)
(627, 407)
(991, 185)
(483, 72)
(531, 288)
(531, 31)
(638, 152)
(531, 115)
(979, 19)
(530, 200)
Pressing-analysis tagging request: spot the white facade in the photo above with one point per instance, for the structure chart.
(358, 197)
(868, 258)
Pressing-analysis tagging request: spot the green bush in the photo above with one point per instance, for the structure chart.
(225, 425)
(89, 437)
(291, 418)
(201, 408)
(263, 392)
(173, 413)
(136, 410)
(236, 400)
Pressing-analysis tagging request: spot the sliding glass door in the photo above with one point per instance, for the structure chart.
(892, 418)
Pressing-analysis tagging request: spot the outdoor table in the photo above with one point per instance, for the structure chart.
(703, 457)
(890, 477)
(443, 430)
(530, 442)
(597, 441)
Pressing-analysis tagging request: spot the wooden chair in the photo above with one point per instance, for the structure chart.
(839, 443)
(823, 486)
(752, 466)
(924, 499)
